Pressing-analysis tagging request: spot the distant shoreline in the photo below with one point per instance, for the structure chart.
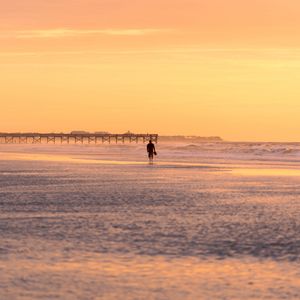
(183, 138)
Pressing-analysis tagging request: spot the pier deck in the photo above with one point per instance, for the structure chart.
(69, 138)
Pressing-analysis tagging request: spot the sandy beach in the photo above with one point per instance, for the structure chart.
(87, 222)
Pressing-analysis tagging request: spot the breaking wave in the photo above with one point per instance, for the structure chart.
(235, 150)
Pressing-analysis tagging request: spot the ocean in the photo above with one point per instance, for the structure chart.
(214, 220)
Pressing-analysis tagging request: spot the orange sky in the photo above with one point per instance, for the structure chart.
(217, 67)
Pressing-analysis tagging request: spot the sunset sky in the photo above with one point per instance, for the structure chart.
(199, 67)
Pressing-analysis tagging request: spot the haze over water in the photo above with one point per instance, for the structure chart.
(205, 221)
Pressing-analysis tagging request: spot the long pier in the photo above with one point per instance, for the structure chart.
(70, 138)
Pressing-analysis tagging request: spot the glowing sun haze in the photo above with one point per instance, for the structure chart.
(201, 67)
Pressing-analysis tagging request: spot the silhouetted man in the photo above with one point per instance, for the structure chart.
(151, 150)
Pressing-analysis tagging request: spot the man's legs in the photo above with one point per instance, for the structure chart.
(150, 155)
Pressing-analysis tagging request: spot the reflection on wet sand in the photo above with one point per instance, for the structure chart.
(234, 169)
(89, 160)
(142, 277)
(265, 172)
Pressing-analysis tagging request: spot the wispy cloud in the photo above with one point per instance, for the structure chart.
(65, 32)
(176, 50)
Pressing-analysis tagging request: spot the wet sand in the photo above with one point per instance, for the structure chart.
(85, 223)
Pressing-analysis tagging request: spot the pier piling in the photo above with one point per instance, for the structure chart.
(69, 138)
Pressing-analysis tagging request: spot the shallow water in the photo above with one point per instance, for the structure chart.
(82, 222)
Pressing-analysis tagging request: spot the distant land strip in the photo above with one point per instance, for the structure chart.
(189, 138)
